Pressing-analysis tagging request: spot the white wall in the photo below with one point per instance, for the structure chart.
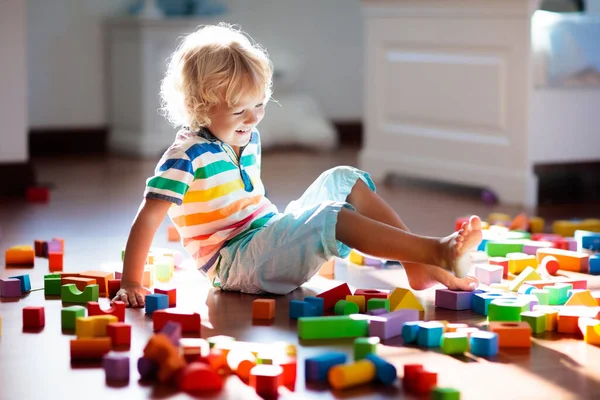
(320, 40)
(13, 81)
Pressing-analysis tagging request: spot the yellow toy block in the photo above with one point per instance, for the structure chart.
(356, 258)
(528, 274)
(358, 300)
(582, 298)
(568, 260)
(551, 316)
(498, 219)
(403, 298)
(149, 276)
(505, 287)
(93, 327)
(22, 256)
(517, 262)
(568, 228)
(536, 225)
(590, 329)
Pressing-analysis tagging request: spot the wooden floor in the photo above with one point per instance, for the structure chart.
(93, 203)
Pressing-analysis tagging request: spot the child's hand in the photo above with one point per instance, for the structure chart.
(132, 294)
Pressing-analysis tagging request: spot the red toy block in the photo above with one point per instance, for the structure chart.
(55, 261)
(426, 381)
(190, 321)
(411, 372)
(113, 287)
(265, 379)
(503, 262)
(263, 309)
(119, 333)
(370, 294)
(332, 296)
(172, 293)
(117, 309)
(289, 371)
(89, 348)
(33, 317)
(199, 377)
(37, 194)
(38, 246)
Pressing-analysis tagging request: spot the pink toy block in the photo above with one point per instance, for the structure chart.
(10, 287)
(117, 309)
(488, 274)
(453, 299)
(172, 293)
(389, 325)
(503, 261)
(33, 317)
(119, 333)
(531, 246)
(332, 296)
(116, 367)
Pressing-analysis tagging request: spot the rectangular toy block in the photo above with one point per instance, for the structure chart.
(590, 329)
(116, 367)
(37, 194)
(481, 301)
(512, 334)
(70, 314)
(500, 287)
(89, 348)
(454, 343)
(55, 261)
(33, 317)
(568, 317)
(38, 247)
(265, 380)
(54, 246)
(370, 294)
(173, 234)
(411, 373)
(10, 287)
(92, 327)
(488, 274)
(483, 344)
(527, 274)
(156, 301)
(359, 301)
(518, 263)
(559, 293)
(101, 277)
(343, 307)
(172, 293)
(378, 303)
(149, 276)
(317, 303)
(453, 299)
(299, 308)
(581, 297)
(70, 294)
(389, 325)
(52, 285)
(590, 242)
(596, 295)
(263, 309)
(551, 316)
(572, 244)
(172, 330)
(114, 285)
(430, 334)
(332, 296)
(531, 246)
(500, 248)
(25, 282)
(356, 257)
(190, 321)
(117, 309)
(536, 320)
(410, 330)
(364, 346)
(577, 283)
(79, 282)
(568, 260)
(164, 267)
(20, 256)
(536, 225)
(65, 275)
(333, 327)
(507, 309)
(595, 265)
(501, 261)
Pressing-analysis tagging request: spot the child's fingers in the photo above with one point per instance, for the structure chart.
(140, 299)
(132, 300)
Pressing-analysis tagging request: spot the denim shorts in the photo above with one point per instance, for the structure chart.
(292, 246)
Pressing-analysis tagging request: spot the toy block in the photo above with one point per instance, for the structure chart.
(317, 303)
(430, 334)
(355, 257)
(536, 320)
(149, 276)
(240, 362)
(411, 373)
(265, 357)
(500, 287)
(213, 341)
(19, 256)
(364, 346)
(289, 366)
(331, 296)
(373, 261)
(596, 295)
(327, 270)
(468, 330)
(164, 268)
(549, 265)
(332, 327)
(55, 261)
(525, 289)
(147, 368)
(198, 377)
(263, 309)
(114, 285)
(370, 294)
(70, 294)
(488, 274)
(10, 287)
(568, 260)
(559, 293)
(171, 293)
(52, 285)
(590, 329)
(385, 372)
(500, 248)
(25, 283)
(358, 300)
(38, 248)
(70, 314)
(53, 246)
(595, 265)
(160, 350)
(577, 283)
(172, 330)
(350, 375)
(512, 334)
(80, 283)
(527, 274)
(581, 298)
(403, 298)
(568, 317)
(519, 262)
(452, 327)
(453, 299)
(65, 275)
(190, 321)
(481, 301)
(507, 310)
(501, 261)
(425, 382)
(378, 303)
(298, 308)
(89, 348)
(389, 325)
(343, 307)
(484, 344)
(33, 317)
(92, 327)
(173, 234)
(119, 333)
(194, 348)
(572, 242)
(156, 301)
(445, 393)
(101, 278)
(531, 247)
(116, 367)
(117, 309)
(589, 242)
(377, 311)
(410, 331)
(530, 301)
(454, 343)
(551, 316)
(265, 380)
(536, 225)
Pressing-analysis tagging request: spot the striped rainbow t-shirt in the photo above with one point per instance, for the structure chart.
(215, 196)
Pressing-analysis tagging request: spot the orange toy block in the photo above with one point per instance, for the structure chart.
(327, 270)
(190, 321)
(81, 283)
(452, 327)
(568, 260)
(263, 309)
(199, 377)
(581, 298)
(512, 334)
(101, 278)
(568, 317)
(596, 295)
(173, 234)
(590, 329)
(113, 287)
(160, 350)
(119, 333)
(65, 275)
(55, 261)
(172, 293)
(577, 283)
(117, 309)
(89, 348)
(20, 256)
(149, 276)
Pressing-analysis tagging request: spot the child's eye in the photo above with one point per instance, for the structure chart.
(259, 105)
(238, 113)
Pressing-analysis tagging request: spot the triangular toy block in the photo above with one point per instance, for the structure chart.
(583, 298)
(528, 274)
(404, 298)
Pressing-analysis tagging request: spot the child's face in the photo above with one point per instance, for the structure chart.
(234, 125)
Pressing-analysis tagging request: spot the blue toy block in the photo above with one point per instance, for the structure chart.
(481, 246)
(430, 334)
(484, 344)
(299, 308)
(591, 242)
(318, 303)
(317, 368)
(156, 301)
(384, 371)
(25, 282)
(595, 265)
(410, 330)
(481, 301)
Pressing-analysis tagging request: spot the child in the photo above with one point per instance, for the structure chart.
(208, 181)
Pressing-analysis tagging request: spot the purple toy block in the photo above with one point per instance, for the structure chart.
(373, 262)
(531, 246)
(118, 274)
(116, 367)
(488, 274)
(10, 287)
(389, 325)
(377, 311)
(54, 245)
(453, 299)
(147, 368)
(173, 331)
(572, 242)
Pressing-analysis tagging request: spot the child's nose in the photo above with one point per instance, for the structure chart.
(252, 117)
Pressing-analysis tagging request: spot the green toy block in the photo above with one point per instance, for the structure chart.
(52, 285)
(364, 346)
(343, 307)
(442, 393)
(542, 295)
(506, 310)
(454, 343)
(70, 294)
(500, 248)
(333, 327)
(70, 314)
(559, 293)
(164, 268)
(535, 319)
(378, 303)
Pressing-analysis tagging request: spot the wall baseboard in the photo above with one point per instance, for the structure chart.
(45, 142)
(16, 178)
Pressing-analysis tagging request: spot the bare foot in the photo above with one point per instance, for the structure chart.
(423, 276)
(456, 247)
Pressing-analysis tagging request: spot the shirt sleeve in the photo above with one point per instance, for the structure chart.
(172, 178)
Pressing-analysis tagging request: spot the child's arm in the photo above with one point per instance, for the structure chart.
(151, 214)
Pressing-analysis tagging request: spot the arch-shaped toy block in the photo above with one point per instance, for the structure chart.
(70, 294)
(117, 309)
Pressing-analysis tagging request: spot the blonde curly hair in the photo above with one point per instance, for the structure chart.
(214, 64)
